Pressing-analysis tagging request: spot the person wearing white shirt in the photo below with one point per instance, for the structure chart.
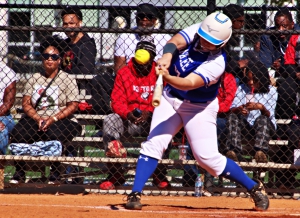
(146, 18)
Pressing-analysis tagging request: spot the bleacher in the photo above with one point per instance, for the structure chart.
(90, 159)
(84, 159)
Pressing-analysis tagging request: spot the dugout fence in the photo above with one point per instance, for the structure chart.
(24, 25)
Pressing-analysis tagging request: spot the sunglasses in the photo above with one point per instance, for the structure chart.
(143, 16)
(54, 57)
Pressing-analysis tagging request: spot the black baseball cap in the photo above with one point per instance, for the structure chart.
(147, 43)
(147, 9)
(71, 10)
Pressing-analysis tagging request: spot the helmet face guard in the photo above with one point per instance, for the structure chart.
(216, 28)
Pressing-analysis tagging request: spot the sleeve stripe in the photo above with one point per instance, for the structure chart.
(185, 36)
(205, 79)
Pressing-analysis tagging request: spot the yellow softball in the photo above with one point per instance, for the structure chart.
(142, 56)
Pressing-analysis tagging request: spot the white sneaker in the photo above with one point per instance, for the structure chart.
(53, 183)
(206, 193)
(13, 181)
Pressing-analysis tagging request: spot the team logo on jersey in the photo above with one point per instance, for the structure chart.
(145, 95)
(210, 29)
(184, 62)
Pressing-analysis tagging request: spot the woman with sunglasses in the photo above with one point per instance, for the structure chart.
(49, 109)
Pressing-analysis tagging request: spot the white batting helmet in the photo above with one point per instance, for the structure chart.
(216, 28)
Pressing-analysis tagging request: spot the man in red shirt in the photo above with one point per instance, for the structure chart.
(131, 102)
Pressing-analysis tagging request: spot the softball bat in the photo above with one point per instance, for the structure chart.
(157, 90)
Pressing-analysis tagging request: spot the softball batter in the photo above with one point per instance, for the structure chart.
(192, 65)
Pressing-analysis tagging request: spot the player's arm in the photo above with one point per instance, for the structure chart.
(206, 74)
(192, 81)
(179, 41)
(176, 43)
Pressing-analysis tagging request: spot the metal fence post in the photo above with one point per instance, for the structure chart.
(211, 6)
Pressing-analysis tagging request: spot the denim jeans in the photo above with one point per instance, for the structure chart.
(4, 134)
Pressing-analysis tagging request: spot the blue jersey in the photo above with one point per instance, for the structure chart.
(208, 66)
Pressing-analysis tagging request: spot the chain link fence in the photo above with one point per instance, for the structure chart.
(48, 141)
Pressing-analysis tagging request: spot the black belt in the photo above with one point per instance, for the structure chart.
(174, 94)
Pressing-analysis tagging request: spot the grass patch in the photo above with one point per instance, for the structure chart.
(175, 173)
(90, 130)
(93, 152)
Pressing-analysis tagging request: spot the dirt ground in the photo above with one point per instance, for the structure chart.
(99, 205)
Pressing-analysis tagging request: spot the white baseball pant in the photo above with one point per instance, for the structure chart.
(199, 121)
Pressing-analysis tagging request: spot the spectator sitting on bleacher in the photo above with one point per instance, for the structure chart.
(81, 56)
(272, 51)
(132, 105)
(146, 18)
(252, 114)
(49, 100)
(7, 98)
(124, 50)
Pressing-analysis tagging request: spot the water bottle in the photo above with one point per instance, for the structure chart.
(198, 186)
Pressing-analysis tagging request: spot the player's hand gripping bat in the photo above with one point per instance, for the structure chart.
(158, 89)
